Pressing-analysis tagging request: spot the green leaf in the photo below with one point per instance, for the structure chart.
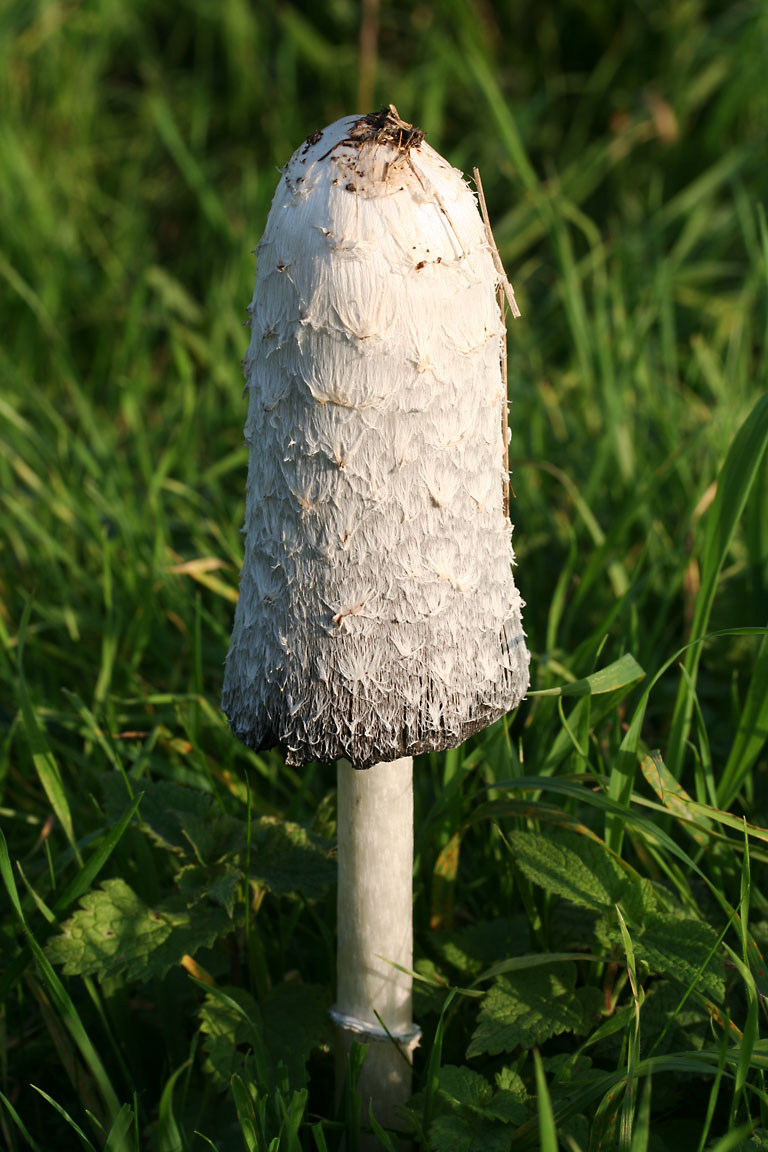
(221, 883)
(581, 870)
(290, 1022)
(286, 858)
(116, 933)
(295, 1018)
(474, 948)
(675, 945)
(678, 946)
(470, 1115)
(165, 808)
(74, 890)
(463, 1132)
(529, 1007)
(463, 1086)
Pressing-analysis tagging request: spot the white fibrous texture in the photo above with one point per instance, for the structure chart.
(378, 616)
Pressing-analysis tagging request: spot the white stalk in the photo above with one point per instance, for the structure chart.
(375, 929)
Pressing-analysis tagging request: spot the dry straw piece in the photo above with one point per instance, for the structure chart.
(378, 615)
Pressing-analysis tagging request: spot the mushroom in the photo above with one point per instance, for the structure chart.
(378, 615)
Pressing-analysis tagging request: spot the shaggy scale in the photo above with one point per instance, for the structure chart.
(378, 615)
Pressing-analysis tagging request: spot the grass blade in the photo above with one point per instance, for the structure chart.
(547, 1130)
(752, 732)
(42, 757)
(60, 998)
(245, 1114)
(733, 487)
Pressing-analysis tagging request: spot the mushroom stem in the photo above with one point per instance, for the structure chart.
(375, 930)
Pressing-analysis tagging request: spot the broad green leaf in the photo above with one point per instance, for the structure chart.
(295, 1018)
(470, 1114)
(666, 1024)
(286, 858)
(674, 945)
(291, 1021)
(221, 883)
(116, 933)
(165, 807)
(231, 1022)
(678, 946)
(474, 948)
(578, 868)
(74, 890)
(463, 1086)
(531, 1006)
(462, 1132)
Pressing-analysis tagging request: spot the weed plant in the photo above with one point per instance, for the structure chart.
(591, 912)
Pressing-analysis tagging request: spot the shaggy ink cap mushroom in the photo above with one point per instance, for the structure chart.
(378, 615)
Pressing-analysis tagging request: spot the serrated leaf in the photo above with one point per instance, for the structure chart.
(579, 868)
(474, 948)
(527, 1008)
(471, 1115)
(165, 808)
(678, 946)
(463, 1086)
(226, 1031)
(511, 1082)
(214, 836)
(462, 1132)
(290, 1021)
(221, 884)
(674, 945)
(295, 1018)
(286, 858)
(115, 933)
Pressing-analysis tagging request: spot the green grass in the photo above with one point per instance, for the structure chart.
(596, 980)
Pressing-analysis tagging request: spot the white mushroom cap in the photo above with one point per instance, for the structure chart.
(378, 616)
